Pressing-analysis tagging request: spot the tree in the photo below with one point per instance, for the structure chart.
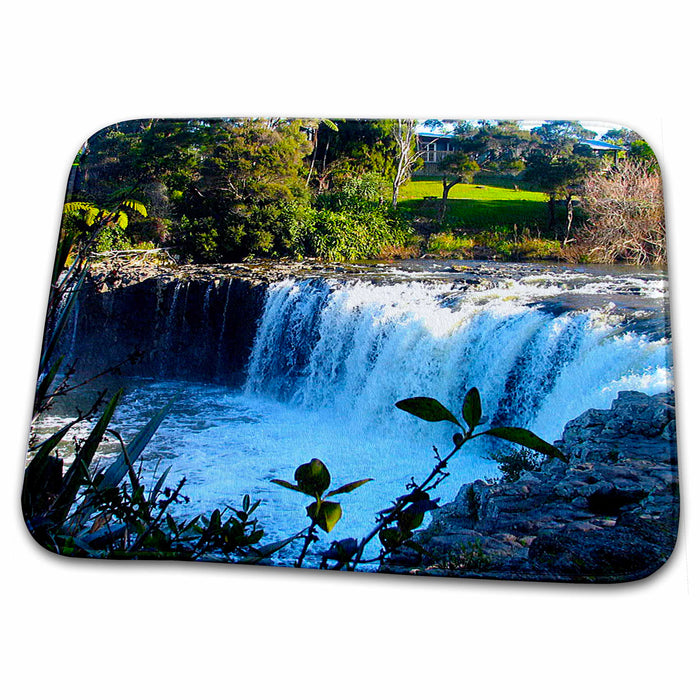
(249, 171)
(456, 167)
(559, 164)
(354, 147)
(312, 126)
(153, 160)
(407, 155)
(500, 145)
(621, 136)
(559, 134)
(641, 151)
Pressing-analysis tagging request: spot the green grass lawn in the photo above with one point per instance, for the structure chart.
(476, 206)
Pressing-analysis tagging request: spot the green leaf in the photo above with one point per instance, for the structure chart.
(136, 206)
(391, 538)
(65, 245)
(328, 515)
(427, 409)
(347, 488)
(171, 523)
(47, 447)
(44, 385)
(526, 438)
(118, 469)
(313, 478)
(342, 551)
(287, 485)
(159, 485)
(89, 448)
(62, 320)
(471, 408)
(269, 549)
(71, 480)
(410, 519)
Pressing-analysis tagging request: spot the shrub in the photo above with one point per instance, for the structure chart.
(111, 238)
(497, 243)
(514, 463)
(626, 215)
(341, 235)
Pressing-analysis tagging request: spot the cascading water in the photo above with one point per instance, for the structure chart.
(355, 348)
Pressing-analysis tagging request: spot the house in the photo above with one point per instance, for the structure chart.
(434, 138)
(603, 148)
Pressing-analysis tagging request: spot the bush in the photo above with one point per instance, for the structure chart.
(626, 215)
(496, 243)
(348, 224)
(347, 235)
(514, 463)
(111, 238)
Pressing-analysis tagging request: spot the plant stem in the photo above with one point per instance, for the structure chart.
(391, 515)
(307, 542)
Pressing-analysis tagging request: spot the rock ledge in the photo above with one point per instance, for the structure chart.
(609, 515)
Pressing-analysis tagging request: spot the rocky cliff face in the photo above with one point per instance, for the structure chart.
(610, 514)
(196, 324)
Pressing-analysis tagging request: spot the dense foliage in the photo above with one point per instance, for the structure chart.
(222, 190)
(225, 190)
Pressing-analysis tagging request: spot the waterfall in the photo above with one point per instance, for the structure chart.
(222, 332)
(355, 348)
(168, 354)
(322, 361)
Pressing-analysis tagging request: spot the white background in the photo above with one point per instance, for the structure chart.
(92, 629)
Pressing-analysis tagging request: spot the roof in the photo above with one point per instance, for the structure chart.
(601, 145)
(436, 128)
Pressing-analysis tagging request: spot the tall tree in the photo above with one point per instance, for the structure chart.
(621, 136)
(249, 171)
(559, 135)
(559, 163)
(355, 147)
(407, 154)
(500, 145)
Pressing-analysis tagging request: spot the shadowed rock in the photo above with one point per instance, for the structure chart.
(609, 515)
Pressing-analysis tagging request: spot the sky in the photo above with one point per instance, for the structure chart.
(599, 127)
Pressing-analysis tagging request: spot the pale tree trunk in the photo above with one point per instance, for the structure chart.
(313, 157)
(404, 134)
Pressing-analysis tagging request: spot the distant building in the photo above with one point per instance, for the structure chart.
(435, 142)
(603, 148)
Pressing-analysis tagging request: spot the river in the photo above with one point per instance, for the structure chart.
(332, 353)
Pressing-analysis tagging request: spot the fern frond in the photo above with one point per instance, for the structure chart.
(75, 207)
(137, 206)
(122, 220)
(94, 214)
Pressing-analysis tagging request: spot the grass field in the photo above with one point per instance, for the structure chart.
(476, 206)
